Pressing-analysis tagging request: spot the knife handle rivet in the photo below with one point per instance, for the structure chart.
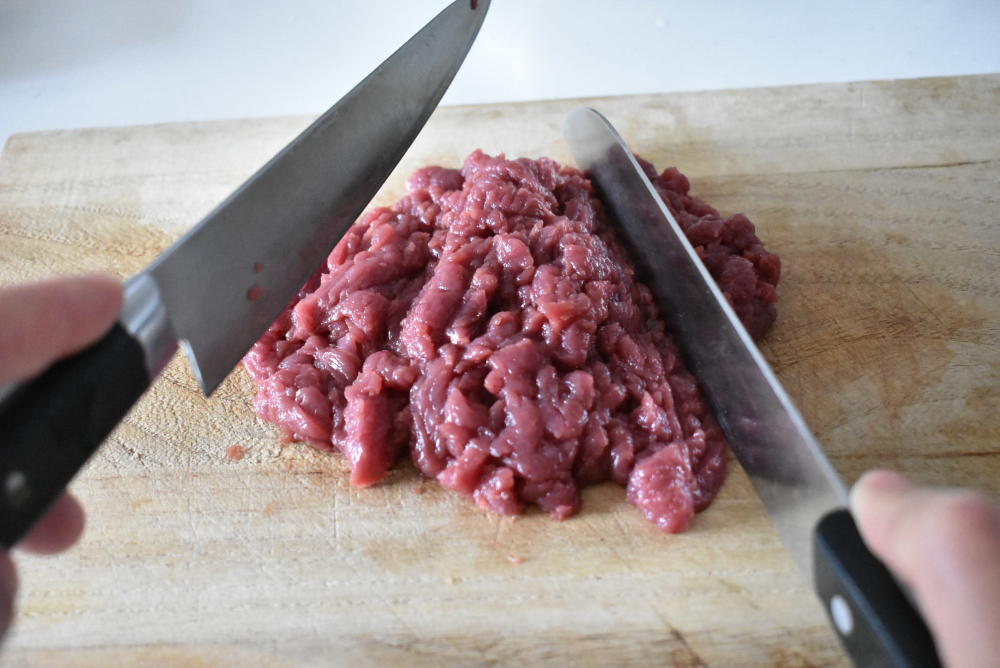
(16, 488)
(841, 614)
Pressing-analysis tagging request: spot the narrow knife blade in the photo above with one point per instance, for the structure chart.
(766, 432)
(227, 279)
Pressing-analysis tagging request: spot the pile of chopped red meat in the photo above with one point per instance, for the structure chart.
(490, 326)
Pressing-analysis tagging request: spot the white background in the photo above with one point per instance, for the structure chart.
(77, 63)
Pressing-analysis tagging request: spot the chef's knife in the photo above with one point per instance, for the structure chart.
(225, 281)
(806, 499)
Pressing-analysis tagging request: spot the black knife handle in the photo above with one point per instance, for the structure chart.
(874, 619)
(52, 424)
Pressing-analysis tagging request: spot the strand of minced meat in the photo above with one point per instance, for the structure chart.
(490, 324)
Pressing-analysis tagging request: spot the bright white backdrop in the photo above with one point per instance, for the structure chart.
(75, 63)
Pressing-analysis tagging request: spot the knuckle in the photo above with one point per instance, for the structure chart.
(962, 513)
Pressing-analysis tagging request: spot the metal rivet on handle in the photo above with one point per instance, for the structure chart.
(16, 488)
(843, 619)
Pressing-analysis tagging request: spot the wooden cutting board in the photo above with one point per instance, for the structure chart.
(882, 199)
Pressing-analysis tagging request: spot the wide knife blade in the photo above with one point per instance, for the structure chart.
(224, 282)
(786, 465)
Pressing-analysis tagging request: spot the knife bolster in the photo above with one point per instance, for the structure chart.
(144, 316)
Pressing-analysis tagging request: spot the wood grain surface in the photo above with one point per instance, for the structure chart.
(882, 199)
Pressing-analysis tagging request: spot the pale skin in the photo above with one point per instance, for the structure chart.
(943, 543)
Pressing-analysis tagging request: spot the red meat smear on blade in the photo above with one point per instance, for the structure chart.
(255, 292)
(490, 326)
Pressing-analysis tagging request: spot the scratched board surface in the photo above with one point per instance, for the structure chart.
(882, 200)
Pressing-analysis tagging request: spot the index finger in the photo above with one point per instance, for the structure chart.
(59, 528)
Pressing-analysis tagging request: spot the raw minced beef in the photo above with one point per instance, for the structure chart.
(490, 326)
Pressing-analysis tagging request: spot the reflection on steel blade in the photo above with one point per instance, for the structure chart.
(784, 461)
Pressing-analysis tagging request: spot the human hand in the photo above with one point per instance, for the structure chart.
(945, 545)
(43, 322)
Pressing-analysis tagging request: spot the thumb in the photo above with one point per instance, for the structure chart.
(45, 321)
(945, 545)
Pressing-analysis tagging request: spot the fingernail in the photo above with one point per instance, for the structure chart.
(879, 482)
(885, 481)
